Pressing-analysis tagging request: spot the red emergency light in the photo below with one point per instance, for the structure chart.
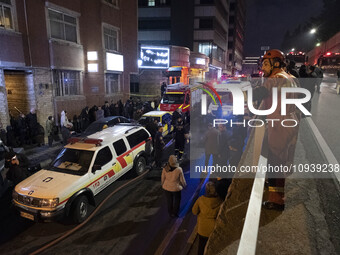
(328, 53)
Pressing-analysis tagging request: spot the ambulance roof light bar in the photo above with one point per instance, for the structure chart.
(96, 142)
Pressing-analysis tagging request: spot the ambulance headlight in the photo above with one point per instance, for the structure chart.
(49, 202)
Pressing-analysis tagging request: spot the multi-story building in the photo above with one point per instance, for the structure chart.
(236, 36)
(63, 55)
(251, 65)
(200, 25)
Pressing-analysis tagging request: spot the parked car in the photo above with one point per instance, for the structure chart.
(103, 123)
(162, 117)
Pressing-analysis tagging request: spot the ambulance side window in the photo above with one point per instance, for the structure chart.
(119, 147)
(104, 156)
(137, 137)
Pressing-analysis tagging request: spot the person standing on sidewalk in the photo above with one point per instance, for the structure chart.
(49, 130)
(159, 146)
(206, 208)
(173, 182)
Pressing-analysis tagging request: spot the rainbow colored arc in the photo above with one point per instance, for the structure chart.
(209, 93)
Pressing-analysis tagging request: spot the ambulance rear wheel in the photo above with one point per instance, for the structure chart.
(140, 165)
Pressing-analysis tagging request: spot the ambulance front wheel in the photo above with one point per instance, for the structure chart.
(80, 209)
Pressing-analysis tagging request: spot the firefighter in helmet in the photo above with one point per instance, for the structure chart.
(281, 139)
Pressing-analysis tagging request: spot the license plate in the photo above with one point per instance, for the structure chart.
(27, 215)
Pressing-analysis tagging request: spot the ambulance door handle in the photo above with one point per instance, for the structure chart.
(128, 155)
(113, 163)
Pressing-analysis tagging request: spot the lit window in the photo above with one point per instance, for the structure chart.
(6, 20)
(112, 83)
(110, 39)
(151, 3)
(66, 83)
(62, 26)
(205, 48)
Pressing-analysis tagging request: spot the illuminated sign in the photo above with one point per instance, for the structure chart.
(154, 57)
(200, 61)
(114, 62)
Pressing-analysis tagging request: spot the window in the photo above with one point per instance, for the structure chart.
(112, 83)
(205, 48)
(206, 23)
(62, 26)
(154, 24)
(6, 20)
(137, 137)
(218, 53)
(104, 156)
(113, 2)
(134, 87)
(162, 2)
(120, 147)
(151, 3)
(230, 45)
(110, 39)
(67, 83)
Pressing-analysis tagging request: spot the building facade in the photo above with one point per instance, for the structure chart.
(63, 55)
(199, 25)
(237, 21)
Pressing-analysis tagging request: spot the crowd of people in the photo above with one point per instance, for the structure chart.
(309, 77)
(24, 130)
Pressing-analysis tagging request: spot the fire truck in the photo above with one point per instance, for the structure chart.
(176, 96)
(298, 57)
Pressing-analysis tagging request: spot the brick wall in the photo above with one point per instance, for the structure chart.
(4, 117)
(42, 88)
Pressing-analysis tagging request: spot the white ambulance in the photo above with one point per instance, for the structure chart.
(82, 169)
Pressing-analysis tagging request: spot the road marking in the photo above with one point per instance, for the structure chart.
(323, 146)
(248, 238)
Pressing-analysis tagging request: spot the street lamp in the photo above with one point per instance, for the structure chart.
(293, 49)
(318, 44)
(313, 31)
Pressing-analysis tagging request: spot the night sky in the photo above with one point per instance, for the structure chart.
(268, 20)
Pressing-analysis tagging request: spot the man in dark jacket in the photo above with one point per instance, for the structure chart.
(22, 126)
(106, 109)
(16, 172)
(32, 123)
(159, 146)
(180, 138)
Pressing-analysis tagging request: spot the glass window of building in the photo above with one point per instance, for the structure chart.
(205, 48)
(151, 3)
(6, 20)
(66, 83)
(110, 39)
(62, 26)
(112, 83)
